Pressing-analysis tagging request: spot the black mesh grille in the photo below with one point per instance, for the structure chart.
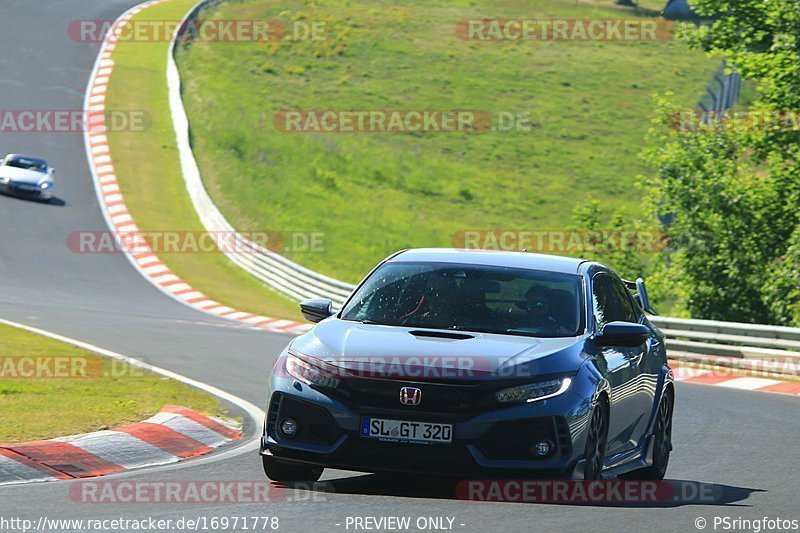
(272, 413)
(454, 400)
(512, 440)
(564, 438)
(314, 423)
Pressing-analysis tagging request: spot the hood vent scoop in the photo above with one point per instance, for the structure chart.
(441, 334)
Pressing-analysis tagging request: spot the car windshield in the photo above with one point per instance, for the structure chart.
(27, 163)
(480, 298)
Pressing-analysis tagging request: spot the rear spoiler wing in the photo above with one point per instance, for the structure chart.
(640, 295)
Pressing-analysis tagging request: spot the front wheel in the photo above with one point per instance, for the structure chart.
(596, 440)
(278, 471)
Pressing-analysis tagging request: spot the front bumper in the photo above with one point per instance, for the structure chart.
(15, 189)
(495, 441)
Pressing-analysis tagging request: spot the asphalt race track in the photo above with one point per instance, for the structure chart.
(741, 446)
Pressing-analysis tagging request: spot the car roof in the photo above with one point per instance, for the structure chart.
(549, 263)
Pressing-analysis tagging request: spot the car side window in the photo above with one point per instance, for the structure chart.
(602, 301)
(626, 310)
(612, 301)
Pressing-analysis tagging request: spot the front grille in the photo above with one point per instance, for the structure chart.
(512, 440)
(19, 190)
(453, 400)
(315, 424)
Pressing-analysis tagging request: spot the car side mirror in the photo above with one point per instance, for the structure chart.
(623, 334)
(316, 309)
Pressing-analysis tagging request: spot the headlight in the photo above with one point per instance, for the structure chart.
(3, 179)
(534, 391)
(46, 185)
(305, 370)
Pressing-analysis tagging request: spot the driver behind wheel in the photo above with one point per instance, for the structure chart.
(538, 311)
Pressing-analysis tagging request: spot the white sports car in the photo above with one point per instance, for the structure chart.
(27, 177)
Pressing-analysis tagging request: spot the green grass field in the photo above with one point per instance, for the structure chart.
(91, 394)
(149, 173)
(590, 106)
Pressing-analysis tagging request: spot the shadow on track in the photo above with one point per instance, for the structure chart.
(663, 494)
(54, 201)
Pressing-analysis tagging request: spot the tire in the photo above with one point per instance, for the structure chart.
(663, 442)
(596, 441)
(278, 471)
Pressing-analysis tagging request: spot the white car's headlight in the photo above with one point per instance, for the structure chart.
(46, 184)
(311, 371)
(533, 391)
(3, 179)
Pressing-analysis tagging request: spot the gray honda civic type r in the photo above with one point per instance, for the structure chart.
(477, 363)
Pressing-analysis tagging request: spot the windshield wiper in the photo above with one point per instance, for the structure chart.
(529, 333)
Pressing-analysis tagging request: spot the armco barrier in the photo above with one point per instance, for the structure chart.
(273, 269)
(725, 343)
(733, 344)
(722, 92)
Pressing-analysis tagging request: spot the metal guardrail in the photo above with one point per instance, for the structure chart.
(721, 94)
(756, 347)
(723, 90)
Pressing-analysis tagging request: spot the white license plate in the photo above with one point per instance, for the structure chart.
(405, 431)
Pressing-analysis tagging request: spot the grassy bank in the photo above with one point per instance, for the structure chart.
(589, 106)
(51, 389)
(148, 169)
